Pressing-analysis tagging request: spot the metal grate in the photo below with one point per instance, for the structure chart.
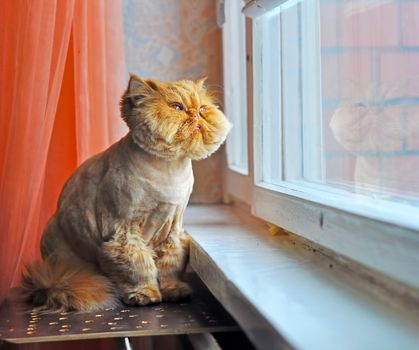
(203, 314)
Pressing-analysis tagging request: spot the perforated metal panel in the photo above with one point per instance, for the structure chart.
(202, 314)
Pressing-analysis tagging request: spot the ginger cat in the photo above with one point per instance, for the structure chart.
(117, 232)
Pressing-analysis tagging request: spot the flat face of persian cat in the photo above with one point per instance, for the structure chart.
(173, 119)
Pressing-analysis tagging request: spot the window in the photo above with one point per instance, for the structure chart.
(286, 72)
(336, 126)
(234, 56)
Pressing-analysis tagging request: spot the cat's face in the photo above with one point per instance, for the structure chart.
(173, 120)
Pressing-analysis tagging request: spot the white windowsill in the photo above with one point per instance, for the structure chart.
(285, 295)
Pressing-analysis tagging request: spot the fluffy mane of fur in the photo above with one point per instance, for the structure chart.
(195, 131)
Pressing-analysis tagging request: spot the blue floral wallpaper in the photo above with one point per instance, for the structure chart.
(178, 39)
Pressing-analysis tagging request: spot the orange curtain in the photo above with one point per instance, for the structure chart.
(61, 75)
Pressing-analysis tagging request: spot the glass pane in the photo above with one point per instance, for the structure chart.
(349, 95)
(287, 86)
(370, 96)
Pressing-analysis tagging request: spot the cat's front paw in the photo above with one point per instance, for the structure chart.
(145, 295)
(175, 291)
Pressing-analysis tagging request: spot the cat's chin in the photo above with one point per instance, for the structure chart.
(202, 145)
(198, 145)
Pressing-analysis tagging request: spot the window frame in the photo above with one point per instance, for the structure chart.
(234, 75)
(239, 185)
(381, 242)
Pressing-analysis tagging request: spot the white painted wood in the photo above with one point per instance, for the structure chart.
(375, 209)
(256, 8)
(239, 186)
(237, 183)
(312, 130)
(327, 220)
(284, 294)
(292, 118)
(235, 97)
(267, 89)
(256, 97)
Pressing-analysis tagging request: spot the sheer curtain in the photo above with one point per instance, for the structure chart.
(61, 75)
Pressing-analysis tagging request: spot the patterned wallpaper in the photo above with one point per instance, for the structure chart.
(178, 39)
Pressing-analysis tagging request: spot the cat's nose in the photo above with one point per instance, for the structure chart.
(194, 114)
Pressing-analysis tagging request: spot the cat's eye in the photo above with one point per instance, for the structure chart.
(202, 110)
(178, 106)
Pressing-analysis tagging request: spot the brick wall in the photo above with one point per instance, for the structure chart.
(370, 84)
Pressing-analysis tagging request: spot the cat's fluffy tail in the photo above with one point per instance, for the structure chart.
(64, 284)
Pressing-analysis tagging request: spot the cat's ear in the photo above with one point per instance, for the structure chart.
(153, 84)
(200, 83)
(138, 89)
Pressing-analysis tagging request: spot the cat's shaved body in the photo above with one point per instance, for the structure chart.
(119, 216)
